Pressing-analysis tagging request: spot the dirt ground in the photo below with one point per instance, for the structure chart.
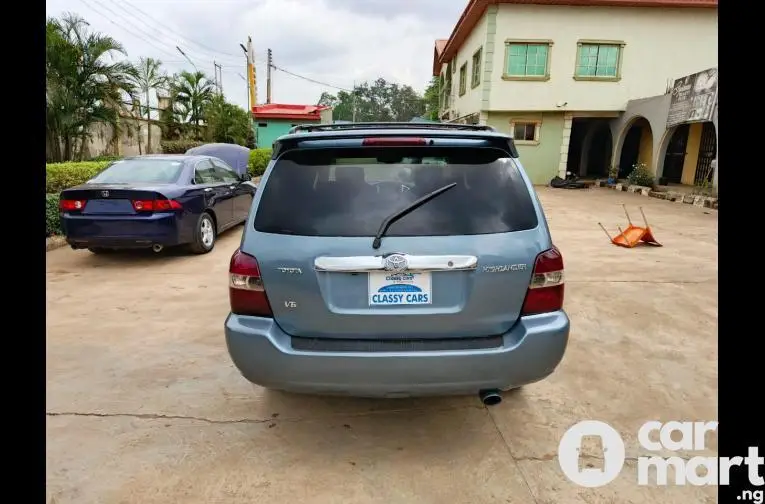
(144, 405)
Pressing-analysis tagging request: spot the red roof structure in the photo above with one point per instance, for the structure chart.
(288, 112)
(475, 9)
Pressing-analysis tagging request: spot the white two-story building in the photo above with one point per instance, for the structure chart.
(556, 73)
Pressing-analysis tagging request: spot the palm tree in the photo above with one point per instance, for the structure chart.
(148, 76)
(83, 85)
(193, 91)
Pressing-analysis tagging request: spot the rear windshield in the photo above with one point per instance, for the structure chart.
(140, 171)
(348, 192)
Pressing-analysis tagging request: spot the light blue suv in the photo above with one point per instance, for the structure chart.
(396, 260)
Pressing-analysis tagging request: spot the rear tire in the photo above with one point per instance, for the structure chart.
(204, 235)
(99, 250)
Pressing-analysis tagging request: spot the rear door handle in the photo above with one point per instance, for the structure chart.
(208, 189)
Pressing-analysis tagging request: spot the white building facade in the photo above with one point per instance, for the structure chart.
(555, 76)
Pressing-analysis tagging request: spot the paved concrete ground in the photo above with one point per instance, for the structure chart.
(144, 405)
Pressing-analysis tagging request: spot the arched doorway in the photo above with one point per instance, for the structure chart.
(599, 152)
(637, 146)
(674, 159)
(690, 150)
(707, 153)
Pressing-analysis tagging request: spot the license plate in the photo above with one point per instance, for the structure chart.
(396, 289)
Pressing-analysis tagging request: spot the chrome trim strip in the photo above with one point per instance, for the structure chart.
(357, 264)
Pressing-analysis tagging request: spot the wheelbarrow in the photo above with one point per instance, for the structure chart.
(633, 235)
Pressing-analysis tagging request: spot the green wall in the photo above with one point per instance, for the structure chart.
(275, 128)
(540, 161)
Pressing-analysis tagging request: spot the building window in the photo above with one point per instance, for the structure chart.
(262, 125)
(475, 78)
(525, 132)
(598, 60)
(463, 78)
(527, 60)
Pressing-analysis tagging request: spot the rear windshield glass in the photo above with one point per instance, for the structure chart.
(348, 192)
(140, 171)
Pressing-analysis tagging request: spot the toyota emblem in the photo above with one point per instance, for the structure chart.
(396, 262)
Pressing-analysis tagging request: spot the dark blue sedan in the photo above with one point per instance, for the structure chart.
(156, 201)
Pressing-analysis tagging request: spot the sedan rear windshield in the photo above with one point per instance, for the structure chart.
(140, 171)
(349, 192)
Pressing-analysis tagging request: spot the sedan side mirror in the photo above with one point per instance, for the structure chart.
(245, 177)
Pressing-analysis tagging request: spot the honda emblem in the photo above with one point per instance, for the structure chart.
(105, 194)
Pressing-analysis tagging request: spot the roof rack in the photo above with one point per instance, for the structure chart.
(389, 125)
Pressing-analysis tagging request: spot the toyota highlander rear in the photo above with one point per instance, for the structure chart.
(392, 261)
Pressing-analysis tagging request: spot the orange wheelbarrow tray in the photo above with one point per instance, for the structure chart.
(633, 235)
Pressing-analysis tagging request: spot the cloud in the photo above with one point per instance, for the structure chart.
(338, 42)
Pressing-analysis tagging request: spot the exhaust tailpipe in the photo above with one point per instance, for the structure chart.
(157, 247)
(490, 397)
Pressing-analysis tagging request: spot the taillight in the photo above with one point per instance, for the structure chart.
(245, 287)
(160, 205)
(545, 293)
(393, 141)
(68, 205)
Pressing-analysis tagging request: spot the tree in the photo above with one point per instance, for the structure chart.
(192, 91)
(378, 101)
(83, 85)
(148, 75)
(226, 123)
(432, 99)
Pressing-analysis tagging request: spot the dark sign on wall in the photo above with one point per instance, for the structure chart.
(694, 98)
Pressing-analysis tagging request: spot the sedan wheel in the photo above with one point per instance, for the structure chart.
(204, 239)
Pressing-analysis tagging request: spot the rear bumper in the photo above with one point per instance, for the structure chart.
(530, 351)
(83, 231)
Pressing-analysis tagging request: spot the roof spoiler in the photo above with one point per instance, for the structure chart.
(389, 125)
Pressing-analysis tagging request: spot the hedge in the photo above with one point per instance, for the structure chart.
(105, 158)
(259, 159)
(60, 176)
(52, 222)
(178, 146)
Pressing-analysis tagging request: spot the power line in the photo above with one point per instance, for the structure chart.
(168, 52)
(310, 79)
(205, 48)
(120, 17)
(355, 87)
(122, 27)
(208, 48)
(145, 32)
(148, 37)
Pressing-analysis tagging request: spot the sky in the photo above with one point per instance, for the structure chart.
(335, 42)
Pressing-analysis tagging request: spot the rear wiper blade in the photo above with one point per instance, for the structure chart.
(389, 220)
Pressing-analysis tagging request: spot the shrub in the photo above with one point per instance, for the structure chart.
(178, 146)
(641, 176)
(259, 159)
(59, 176)
(105, 158)
(52, 222)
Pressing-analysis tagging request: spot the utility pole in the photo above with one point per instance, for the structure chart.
(218, 78)
(251, 74)
(251, 89)
(268, 77)
(249, 106)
